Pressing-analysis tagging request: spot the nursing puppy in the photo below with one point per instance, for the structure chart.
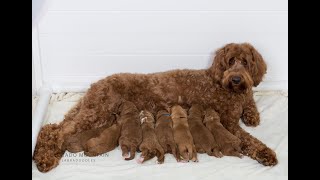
(150, 146)
(164, 133)
(77, 142)
(182, 135)
(229, 144)
(131, 133)
(105, 142)
(202, 137)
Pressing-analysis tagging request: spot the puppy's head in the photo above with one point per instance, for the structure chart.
(196, 110)
(178, 112)
(162, 113)
(126, 107)
(238, 67)
(211, 115)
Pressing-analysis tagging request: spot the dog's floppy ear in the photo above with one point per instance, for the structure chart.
(259, 68)
(219, 64)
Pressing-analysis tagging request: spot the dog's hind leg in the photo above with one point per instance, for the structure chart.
(125, 151)
(133, 150)
(175, 151)
(194, 154)
(144, 154)
(160, 154)
(183, 151)
(47, 154)
(45, 159)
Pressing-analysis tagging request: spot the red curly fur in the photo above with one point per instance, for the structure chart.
(211, 87)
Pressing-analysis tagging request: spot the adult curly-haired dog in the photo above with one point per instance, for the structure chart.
(226, 86)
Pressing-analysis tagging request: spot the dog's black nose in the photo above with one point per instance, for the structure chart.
(236, 79)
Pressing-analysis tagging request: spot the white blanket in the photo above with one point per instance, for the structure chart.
(273, 131)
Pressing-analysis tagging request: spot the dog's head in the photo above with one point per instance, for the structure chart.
(238, 67)
(126, 107)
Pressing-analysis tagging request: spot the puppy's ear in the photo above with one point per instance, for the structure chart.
(219, 64)
(259, 68)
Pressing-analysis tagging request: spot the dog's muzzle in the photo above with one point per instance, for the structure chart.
(236, 79)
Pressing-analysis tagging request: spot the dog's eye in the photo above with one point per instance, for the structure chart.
(244, 62)
(231, 61)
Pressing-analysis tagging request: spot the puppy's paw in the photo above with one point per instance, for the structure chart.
(159, 162)
(195, 160)
(140, 160)
(215, 152)
(124, 156)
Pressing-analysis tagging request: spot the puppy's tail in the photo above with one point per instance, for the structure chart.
(133, 150)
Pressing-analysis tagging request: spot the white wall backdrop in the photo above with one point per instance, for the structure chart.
(80, 41)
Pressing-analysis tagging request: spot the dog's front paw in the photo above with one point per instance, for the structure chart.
(251, 119)
(267, 157)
